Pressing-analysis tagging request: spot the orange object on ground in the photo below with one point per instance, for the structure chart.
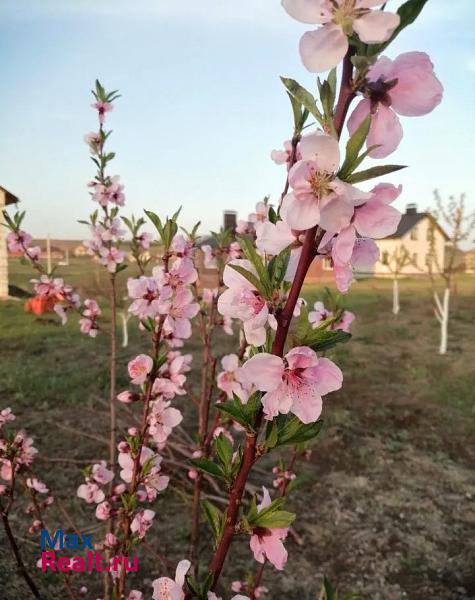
(40, 304)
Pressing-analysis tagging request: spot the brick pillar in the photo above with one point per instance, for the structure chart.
(3, 251)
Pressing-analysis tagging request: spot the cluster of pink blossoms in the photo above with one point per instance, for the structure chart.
(17, 454)
(319, 314)
(18, 242)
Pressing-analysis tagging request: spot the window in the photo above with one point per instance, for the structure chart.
(385, 258)
(414, 234)
(414, 258)
(327, 264)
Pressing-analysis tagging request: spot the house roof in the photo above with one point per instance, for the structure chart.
(409, 220)
(9, 197)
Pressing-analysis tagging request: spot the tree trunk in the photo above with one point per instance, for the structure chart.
(395, 296)
(444, 325)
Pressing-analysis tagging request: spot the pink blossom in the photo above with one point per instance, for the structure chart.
(139, 368)
(101, 473)
(163, 418)
(102, 108)
(273, 238)
(145, 293)
(93, 140)
(126, 462)
(228, 379)
(103, 511)
(127, 397)
(171, 376)
(34, 253)
(209, 257)
(88, 321)
(267, 543)
(111, 257)
(282, 157)
(18, 241)
(37, 485)
(182, 272)
(90, 492)
(227, 324)
(261, 214)
(406, 86)
(155, 482)
(143, 240)
(242, 301)
(6, 416)
(209, 295)
(325, 47)
(318, 196)
(116, 191)
(294, 384)
(178, 312)
(142, 522)
(112, 230)
(350, 252)
(320, 314)
(165, 588)
(243, 227)
(182, 247)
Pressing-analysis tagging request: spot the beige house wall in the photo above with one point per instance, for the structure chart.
(417, 243)
(3, 251)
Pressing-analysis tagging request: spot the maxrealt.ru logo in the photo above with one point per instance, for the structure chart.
(91, 561)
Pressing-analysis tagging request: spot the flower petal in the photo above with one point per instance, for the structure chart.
(264, 371)
(308, 11)
(376, 220)
(322, 149)
(376, 26)
(418, 91)
(324, 48)
(300, 213)
(385, 131)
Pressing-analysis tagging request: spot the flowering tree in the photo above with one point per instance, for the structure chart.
(268, 395)
(460, 226)
(395, 262)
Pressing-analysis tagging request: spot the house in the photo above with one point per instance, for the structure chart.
(6, 198)
(414, 234)
(470, 261)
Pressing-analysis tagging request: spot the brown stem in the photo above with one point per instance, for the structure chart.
(113, 367)
(21, 565)
(308, 253)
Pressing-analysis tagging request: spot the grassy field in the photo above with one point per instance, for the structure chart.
(386, 502)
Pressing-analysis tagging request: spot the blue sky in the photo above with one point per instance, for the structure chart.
(202, 104)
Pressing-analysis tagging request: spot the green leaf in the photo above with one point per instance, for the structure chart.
(373, 172)
(250, 253)
(272, 435)
(277, 268)
(304, 97)
(204, 464)
(224, 452)
(353, 147)
(242, 413)
(324, 339)
(275, 520)
(155, 220)
(214, 517)
(296, 432)
(253, 280)
(303, 325)
(408, 13)
(329, 593)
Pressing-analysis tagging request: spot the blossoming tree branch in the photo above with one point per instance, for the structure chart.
(268, 395)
